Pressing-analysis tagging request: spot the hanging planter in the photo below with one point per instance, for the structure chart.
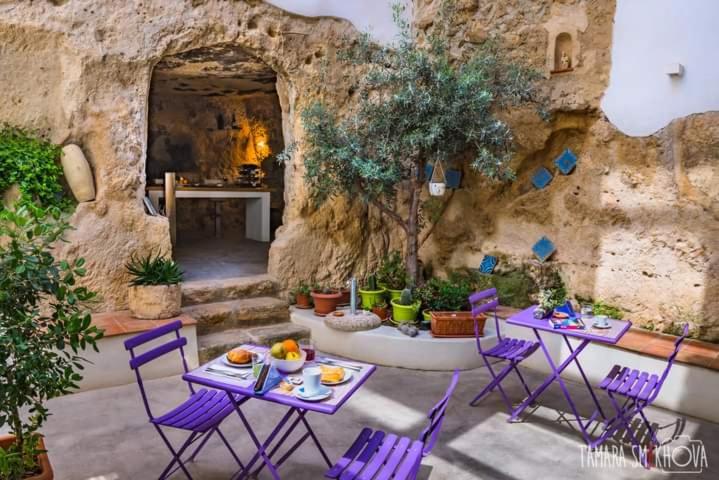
(438, 183)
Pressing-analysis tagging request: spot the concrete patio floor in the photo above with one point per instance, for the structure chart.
(104, 434)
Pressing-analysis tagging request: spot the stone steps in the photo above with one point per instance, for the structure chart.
(242, 313)
(197, 292)
(215, 344)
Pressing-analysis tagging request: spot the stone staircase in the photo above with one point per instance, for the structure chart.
(233, 311)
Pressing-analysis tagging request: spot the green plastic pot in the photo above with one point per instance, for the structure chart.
(405, 313)
(427, 315)
(371, 297)
(394, 294)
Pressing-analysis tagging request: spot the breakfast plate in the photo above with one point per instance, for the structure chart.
(236, 365)
(346, 378)
(300, 393)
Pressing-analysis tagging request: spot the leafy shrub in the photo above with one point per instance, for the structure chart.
(32, 163)
(43, 326)
(155, 270)
(302, 288)
(601, 308)
(392, 272)
(515, 288)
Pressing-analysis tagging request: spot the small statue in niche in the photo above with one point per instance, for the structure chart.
(565, 62)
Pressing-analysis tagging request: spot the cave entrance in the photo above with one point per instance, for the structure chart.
(215, 120)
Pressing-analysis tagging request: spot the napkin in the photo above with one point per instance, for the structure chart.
(274, 377)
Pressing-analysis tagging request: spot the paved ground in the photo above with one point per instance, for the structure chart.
(104, 435)
(216, 258)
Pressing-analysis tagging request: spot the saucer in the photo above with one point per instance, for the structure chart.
(602, 327)
(236, 365)
(300, 393)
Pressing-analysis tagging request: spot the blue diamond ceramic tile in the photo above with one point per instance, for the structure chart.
(566, 162)
(541, 178)
(543, 249)
(453, 178)
(428, 169)
(488, 264)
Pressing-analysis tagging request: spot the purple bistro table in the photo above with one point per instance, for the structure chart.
(609, 336)
(297, 407)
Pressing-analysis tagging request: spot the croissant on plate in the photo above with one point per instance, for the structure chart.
(239, 356)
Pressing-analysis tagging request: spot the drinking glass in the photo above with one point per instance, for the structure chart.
(258, 359)
(587, 312)
(309, 348)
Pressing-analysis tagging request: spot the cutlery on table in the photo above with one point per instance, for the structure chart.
(335, 363)
(216, 371)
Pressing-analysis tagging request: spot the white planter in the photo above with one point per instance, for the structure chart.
(77, 173)
(154, 302)
(437, 189)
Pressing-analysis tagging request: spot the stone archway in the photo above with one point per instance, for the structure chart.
(215, 120)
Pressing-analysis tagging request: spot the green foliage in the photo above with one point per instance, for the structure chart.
(392, 272)
(440, 295)
(406, 297)
(43, 327)
(302, 288)
(32, 163)
(157, 270)
(515, 288)
(416, 104)
(601, 308)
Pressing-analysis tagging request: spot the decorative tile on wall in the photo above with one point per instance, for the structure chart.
(541, 178)
(488, 264)
(453, 178)
(543, 249)
(566, 162)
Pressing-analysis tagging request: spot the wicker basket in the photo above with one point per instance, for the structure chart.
(456, 324)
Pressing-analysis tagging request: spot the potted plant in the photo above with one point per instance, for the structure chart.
(155, 290)
(325, 300)
(43, 326)
(371, 294)
(549, 299)
(392, 274)
(380, 309)
(301, 295)
(447, 305)
(405, 308)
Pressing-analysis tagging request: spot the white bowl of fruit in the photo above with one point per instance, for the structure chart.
(287, 356)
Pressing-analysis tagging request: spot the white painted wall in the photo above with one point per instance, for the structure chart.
(374, 16)
(649, 35)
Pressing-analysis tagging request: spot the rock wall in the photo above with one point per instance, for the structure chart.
(636, 224)
(80, 70)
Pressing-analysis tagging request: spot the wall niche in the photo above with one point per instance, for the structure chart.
(563, 54)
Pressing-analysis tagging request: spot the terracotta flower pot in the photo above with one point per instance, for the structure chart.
(345, 297)
(381, 312)
(154, 302)
(325, 302)
(303, 301)
(42, 459)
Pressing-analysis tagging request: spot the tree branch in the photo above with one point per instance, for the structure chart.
(390, 213)
(430, 230)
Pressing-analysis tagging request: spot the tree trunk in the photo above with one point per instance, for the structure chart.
(412, 253)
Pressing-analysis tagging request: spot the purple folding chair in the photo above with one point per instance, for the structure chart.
(639, 390)
(511, 350)
(201, 414)
(380, 456)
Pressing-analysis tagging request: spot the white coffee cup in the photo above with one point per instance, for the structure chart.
(311, 379)
(601, 320)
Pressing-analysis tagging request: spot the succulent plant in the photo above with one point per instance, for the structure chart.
(372, 282)
(406, 297)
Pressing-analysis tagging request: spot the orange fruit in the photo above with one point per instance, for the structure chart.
(290, 346)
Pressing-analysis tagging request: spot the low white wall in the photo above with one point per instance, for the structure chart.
(111, 366)
(689, 390)
(388, 347)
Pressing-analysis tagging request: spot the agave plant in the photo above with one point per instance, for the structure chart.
(153, 270)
